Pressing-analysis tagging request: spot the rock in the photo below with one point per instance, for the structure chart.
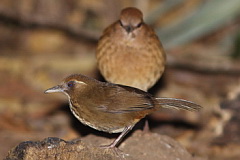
(55, 148)
(138, 146)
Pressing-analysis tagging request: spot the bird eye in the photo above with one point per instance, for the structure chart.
(70, 84)
(139, 25)
(120, 23)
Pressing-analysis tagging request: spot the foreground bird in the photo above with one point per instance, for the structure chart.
(111, 107)
(130, 53)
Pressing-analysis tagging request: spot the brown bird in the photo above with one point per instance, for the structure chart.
(111, 107)
(130, 53)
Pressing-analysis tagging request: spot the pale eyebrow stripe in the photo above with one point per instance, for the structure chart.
(81, 82)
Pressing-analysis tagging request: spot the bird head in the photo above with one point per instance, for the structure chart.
(72, 85)
(130, 19)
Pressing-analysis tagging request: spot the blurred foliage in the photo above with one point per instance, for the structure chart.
(207, 17)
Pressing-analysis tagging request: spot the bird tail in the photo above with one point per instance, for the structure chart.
(177, 104)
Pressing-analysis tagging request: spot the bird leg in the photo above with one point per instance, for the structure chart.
(119, 138)
(146, 127)
(116, 142)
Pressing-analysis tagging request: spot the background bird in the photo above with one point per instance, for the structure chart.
(111, 107)
(130, 53)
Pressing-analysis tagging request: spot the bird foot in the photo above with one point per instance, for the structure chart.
(119, 153)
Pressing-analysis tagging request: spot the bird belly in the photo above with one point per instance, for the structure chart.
(132, 67)
(100, 121)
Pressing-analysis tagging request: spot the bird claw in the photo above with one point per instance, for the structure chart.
(119, 153)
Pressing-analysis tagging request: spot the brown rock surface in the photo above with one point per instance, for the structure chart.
(138, 146)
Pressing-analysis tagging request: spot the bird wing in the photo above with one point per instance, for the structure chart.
(123, 99)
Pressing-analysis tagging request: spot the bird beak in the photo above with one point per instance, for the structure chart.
(57, 88)
(128, 28)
